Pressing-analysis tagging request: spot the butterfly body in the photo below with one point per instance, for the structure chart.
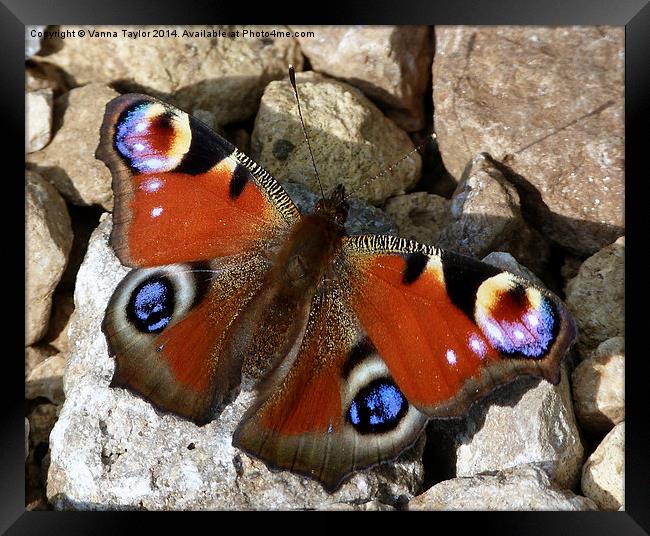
(354, 341)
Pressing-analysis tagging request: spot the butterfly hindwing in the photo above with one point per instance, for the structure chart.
(333, 408)
(451, 328)
(182, 192)
(173, 331)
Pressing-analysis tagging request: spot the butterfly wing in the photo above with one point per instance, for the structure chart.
(331, 407)
(173, 331)
(398, 332)
(182, 192)
(199, 220)
(451, 328)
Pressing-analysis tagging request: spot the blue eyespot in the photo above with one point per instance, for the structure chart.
(378, 407)
(151, 305)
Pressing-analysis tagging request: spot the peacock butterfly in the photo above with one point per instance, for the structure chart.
(355, 341)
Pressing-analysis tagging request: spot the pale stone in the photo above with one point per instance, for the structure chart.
(596, 297)
(603, 475)
(549, 102)
(351, 139)
(599, 387)
(487, 216)
(46, 380)
(520, 488)
(69, 160)
(48, 242)
(38, 117)
(390, 64)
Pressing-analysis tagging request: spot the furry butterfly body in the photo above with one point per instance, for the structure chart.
(355, 341)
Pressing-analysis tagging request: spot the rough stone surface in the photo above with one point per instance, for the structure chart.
(487, 216)
(223, 75)
(521, 488)
(48, 243)
(35, 355)
(551, 100)
(527, 421)
(599, 387)
(47, 380)
(351, 139)
(596, 297)
(419, 216)
(69, 160)
(390, 64)
(38, 112)
(113, 450)
(603, 476)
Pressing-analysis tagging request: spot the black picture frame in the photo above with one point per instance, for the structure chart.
(633, 14)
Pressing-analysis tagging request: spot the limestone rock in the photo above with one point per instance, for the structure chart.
(419, 216)
(603, 476)
(599, 387)
(527, 421)
(69, 160)
(38, 112)
(596, 297)
(113, 450)
(35, 355)
(48, 243)
(46, 380)
(550, 100)
(351, 139)
(520, 488)
(221, 74)
(390, 64)
(487, 216)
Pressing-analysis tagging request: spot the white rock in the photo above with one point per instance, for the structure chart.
(351, 139)
(603, 476)
(113, 450)
(521, 488)
(48, 243)
(596, 297)
(69, 160)
(38, 116)
(599, 387)
(390, 64)
(47, 380)
(527, 421)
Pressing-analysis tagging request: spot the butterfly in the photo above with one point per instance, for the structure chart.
(354, 342)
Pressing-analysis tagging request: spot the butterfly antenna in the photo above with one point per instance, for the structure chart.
(430, 137)
(292, 79)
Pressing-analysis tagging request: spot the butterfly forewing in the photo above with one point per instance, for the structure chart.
(182, 192)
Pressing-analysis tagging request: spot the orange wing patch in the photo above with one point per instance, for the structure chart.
(176, 217)
(430, 346)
